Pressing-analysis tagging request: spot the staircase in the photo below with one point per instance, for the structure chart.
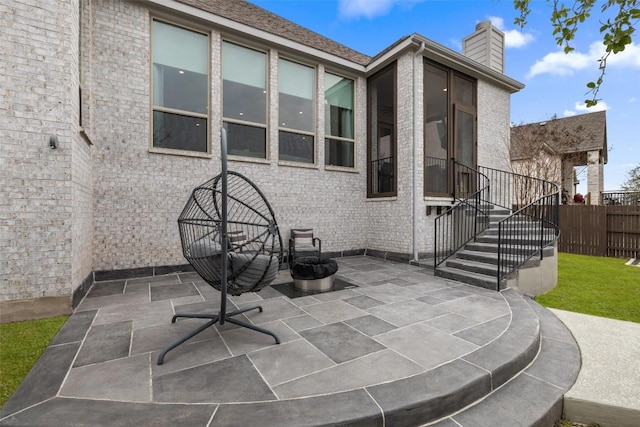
(482, 242)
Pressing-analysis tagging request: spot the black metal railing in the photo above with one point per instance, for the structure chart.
(624, 198)
(514, 191)
(467, 218)
(532, 225)
(526, 233)
(382, 179)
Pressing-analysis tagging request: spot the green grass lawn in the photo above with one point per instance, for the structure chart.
(21, 344)
(599, 286)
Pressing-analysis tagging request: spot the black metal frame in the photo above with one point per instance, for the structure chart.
(292, 246)
(466, 219)
(221, 226)
(532, 225)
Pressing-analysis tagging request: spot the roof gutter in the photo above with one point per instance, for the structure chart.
(444, 56)
(455, 60)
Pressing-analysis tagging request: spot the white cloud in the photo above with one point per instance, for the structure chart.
(512, 38)
(600, 106)
(633, 99)
(561, 64)
(630, 57)
(370, 8)
(579, 106)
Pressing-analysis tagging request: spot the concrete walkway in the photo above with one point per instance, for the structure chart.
(607, 390)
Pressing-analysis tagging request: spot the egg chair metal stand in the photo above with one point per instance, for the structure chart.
(230, 236)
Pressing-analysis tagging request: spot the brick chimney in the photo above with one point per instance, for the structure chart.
(485, 46)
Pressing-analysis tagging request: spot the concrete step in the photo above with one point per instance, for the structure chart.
(484, 268)
(485, 257)
(533, 397)
(438, 395)
(519, 230)
(493, 248)
(470, 278)
(517, 239)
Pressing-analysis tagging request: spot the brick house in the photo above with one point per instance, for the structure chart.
(112, 109)
(555, 147)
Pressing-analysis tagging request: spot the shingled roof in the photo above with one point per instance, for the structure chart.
(247, 13)
(575, 134)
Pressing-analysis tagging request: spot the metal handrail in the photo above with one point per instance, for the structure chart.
(532, 225)
(467, 218)
(526, 232)
(534, 203)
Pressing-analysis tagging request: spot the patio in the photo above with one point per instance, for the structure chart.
(398, 346)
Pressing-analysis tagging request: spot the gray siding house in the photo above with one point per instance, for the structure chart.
(111, 112)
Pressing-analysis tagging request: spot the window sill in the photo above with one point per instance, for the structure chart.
(245, 159)
(184, 153)
(298, 164)
(438, 201)
(341, 169)
(382, 199)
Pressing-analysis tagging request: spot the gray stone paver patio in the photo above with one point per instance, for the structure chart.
(405, 330)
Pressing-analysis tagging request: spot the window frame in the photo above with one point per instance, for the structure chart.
(393, 67)
(452, 112)
(153, 108)
(264, 126)
(313, 132)
(328, 136)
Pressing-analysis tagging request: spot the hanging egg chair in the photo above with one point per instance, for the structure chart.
(230, 236)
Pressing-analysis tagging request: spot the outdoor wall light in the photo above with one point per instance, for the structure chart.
(53, 142)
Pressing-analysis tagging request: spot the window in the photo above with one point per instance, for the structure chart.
(296, 111)
(180, 88)
(338, 110)
(381, 150)
(244, 100)
(450, 129)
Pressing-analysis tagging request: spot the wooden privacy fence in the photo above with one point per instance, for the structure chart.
(612, 231)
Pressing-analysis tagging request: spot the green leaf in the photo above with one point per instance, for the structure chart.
(591, 85)
(590, 103)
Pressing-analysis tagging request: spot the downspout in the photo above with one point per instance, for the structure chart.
(416, 137)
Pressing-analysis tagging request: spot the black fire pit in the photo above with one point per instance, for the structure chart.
(313, 274)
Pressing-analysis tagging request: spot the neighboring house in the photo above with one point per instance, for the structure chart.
(551, 150)
(112, 110)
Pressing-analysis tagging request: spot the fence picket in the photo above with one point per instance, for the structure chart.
(612, 231)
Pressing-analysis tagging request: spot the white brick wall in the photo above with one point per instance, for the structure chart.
(139, 195)
(41, 232)
(494, 106)
(114, 205)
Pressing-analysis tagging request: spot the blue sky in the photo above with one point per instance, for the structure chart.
(555, 82)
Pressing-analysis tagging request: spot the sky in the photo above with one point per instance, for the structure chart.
(555, 83)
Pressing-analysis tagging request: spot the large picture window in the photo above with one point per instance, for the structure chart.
(180, 88)
(244, 100)
(296, 83)
(449, 131)
(381, 150)
(338, 111)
